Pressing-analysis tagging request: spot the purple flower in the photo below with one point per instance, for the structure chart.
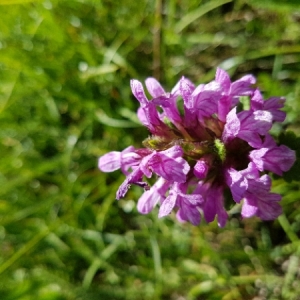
(259, 201)
(248, 126)
(168, 164)
(201, 168)
(211, 146)
(238, 181)
(271, 105)
(167, 100)
(156, 194)
(119, 160)
(232, 91)
(188, 205)
(270, 157)
(148, 113)
(213, 202)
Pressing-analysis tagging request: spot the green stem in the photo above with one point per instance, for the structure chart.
(26, 248)
(287, 228)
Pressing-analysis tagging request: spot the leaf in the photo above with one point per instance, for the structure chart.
(10, 2)
(197, 13)
(277, 5)
(100, 70)
(106, 120)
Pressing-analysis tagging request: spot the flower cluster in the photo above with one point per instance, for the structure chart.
(202, 142)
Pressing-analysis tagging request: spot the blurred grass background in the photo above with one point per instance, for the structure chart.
(65, 100)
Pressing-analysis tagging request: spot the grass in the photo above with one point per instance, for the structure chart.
(65, 99)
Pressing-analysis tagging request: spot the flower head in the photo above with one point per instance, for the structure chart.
(211, 146)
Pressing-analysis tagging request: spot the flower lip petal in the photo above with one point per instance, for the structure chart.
(153, 196)
(138, 92)
(256, 157)
(214, 205)
(133, 178)
(259, 121)
(164, 100)
(232, 126)
(276, 159)
(176, 89)
(273, 105)
(186, 90)
(243, 85)
(142, 117)
(154, 87)
(167, 205)
(191, 214)
(173, 152)
(222, 77)
(248, 210)
(201, 169)
(259, 201)
(237, 183)
(173, 170)
(110, 162)
(256, 100)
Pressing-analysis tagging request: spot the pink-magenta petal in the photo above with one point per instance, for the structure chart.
(154, 87)
(110, 161)
(167, 205)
